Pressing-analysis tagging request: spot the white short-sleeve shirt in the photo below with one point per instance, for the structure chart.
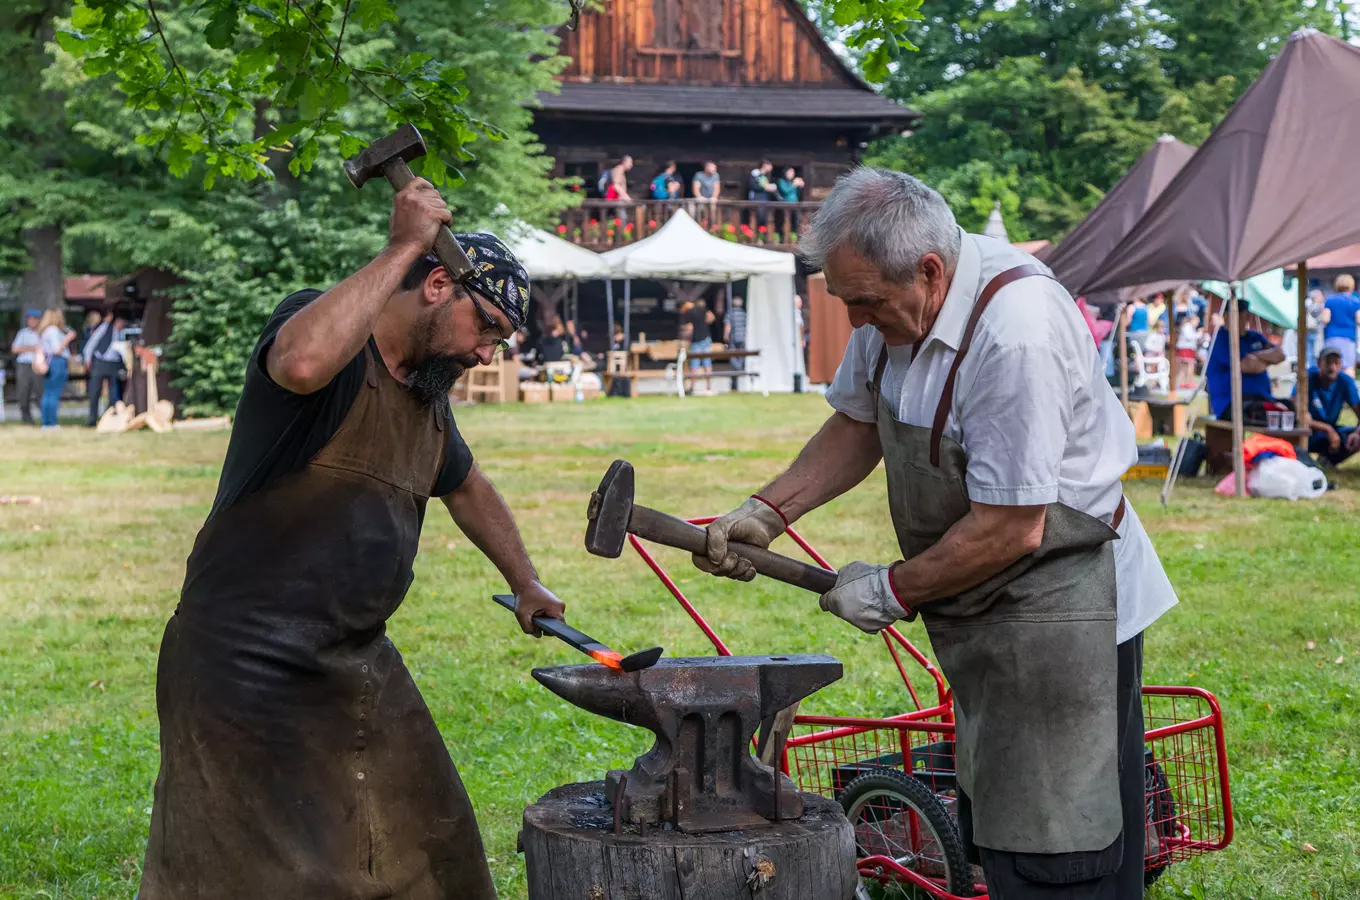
(1031, 408)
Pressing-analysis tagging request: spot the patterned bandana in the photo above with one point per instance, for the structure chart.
(497, 276)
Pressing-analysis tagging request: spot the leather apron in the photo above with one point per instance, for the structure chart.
(297, 757)
(1029, 653)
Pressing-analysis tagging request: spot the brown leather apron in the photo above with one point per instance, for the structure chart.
(1029, 653)
(297, 757)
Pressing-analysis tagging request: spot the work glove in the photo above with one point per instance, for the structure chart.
(864, 597)
(756, 522)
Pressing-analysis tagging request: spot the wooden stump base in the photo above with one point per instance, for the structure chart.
(572, 853)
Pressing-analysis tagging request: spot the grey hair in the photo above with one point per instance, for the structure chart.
(889, 218)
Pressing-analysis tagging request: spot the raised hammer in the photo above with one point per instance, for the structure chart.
(389, 156)
(613, 516)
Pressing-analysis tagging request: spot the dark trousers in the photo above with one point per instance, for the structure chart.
(101, 371)
(1319, 446)
(28, 390)
(1115, 873)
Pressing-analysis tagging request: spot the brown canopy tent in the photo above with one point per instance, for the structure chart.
(1081, 254)
(1274, 183)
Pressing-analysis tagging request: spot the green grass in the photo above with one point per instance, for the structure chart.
(88, 578)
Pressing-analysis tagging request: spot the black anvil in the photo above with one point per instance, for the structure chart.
(700, 775)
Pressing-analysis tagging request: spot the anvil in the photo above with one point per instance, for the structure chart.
(700, 774)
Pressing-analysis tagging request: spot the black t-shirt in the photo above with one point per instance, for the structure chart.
(276, 431)
(698, 317)
(553, 349)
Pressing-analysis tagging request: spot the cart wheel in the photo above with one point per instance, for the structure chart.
(1161, 819)
(896, 815)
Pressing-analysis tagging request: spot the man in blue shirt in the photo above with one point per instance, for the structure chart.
(1258, 354)
(1339, 315)
(1331, 390)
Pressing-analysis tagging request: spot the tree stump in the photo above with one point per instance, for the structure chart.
(572, 853)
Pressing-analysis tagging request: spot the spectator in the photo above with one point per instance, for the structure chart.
(761, 189)
(665, 186)
(707, 185)
(25, 381)
(1338, 319)
(554, 345)
(1137, 322)
(788, 187)
(619, 341)
(103, 362)
(1331, 390)
(696, 321)
(1155, 348)
(54, 338)
(92, 320)
(1258, 354)
(734, 332)
(616, 185)
(1187, 346)
(800, 324)
(1156, 310)
(1317, 302)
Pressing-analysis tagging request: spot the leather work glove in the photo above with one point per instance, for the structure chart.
(864, 597)
(756, 522)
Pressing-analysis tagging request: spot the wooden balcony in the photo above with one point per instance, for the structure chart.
(601, 225)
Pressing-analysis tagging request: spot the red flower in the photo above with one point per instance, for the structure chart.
(761, 229)
(746, 230)
(594, 222)
(616, 221)
(610, 232)
(561, 229)
(730, 229)
(651, 223)
(628, 227)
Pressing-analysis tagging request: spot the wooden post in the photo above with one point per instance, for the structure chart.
(572, 852)
(1122, 338)
(1301, 369)
(1235, 374)
(627, 313)
(609, 311)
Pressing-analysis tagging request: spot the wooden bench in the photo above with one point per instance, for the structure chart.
(1218, 441)
(628, 364)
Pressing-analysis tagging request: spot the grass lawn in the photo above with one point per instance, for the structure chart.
(1269, 621)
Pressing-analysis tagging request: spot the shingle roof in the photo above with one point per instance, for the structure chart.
(687, 101)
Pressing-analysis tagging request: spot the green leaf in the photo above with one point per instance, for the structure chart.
(84, 18)
(372, 13)
(351, 144)
(222, 27)
(72, 42)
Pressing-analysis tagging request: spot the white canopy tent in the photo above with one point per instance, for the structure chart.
(682, 250)
(547, 257)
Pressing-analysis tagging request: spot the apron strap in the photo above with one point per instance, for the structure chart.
(876, 386)
(979, 306)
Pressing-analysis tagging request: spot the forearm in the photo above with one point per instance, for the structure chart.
(482, 515)
(317, 342)
(973, 550)
(839, 456)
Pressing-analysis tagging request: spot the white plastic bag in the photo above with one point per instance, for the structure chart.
(1285, 479)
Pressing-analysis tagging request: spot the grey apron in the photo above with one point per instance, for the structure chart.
(1029, 653)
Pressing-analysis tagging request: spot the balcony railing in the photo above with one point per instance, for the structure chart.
(605, 224)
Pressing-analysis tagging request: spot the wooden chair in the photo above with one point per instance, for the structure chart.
(496, 383)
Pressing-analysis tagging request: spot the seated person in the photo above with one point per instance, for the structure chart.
(1330, 390)
(554, 345)
(1258, 354)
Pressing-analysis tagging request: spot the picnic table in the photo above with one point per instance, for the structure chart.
(1218, 440)
(725, 355)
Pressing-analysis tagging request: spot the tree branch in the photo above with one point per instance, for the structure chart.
(344, 20)
(175, 66)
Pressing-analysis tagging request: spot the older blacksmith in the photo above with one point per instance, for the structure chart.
(972, 376)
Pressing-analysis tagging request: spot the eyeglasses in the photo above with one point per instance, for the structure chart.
(492, 327)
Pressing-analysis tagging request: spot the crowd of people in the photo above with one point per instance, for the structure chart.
(46, 348)
(762, 185)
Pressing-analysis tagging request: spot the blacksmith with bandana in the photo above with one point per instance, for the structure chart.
(297, 757)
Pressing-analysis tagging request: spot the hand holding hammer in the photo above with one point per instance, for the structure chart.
(613, 516)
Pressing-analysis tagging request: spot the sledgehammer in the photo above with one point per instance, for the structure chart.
(613, 516)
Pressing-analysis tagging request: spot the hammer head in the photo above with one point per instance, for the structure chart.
(405, 143)
(611, 506)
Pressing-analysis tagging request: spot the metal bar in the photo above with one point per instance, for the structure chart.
(1235, 363)
(1301, 366)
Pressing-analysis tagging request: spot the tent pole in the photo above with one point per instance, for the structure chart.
(609, 309)
(627, 313)
(1301, 369)
(1123, 359)
(1235, 361)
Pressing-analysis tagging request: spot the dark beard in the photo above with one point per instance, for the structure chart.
(433, 376)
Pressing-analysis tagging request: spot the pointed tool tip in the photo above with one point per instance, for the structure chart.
(643, 659)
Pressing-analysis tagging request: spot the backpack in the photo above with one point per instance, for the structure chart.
(602, 184)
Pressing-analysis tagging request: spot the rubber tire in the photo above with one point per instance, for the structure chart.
(1161, 807)
(914, 793)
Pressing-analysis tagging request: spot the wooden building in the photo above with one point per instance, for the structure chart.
(733, 81)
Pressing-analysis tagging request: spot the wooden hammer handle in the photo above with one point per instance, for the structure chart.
(651, 525)
(446, 246)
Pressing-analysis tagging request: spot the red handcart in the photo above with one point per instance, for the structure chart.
(894, 776)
